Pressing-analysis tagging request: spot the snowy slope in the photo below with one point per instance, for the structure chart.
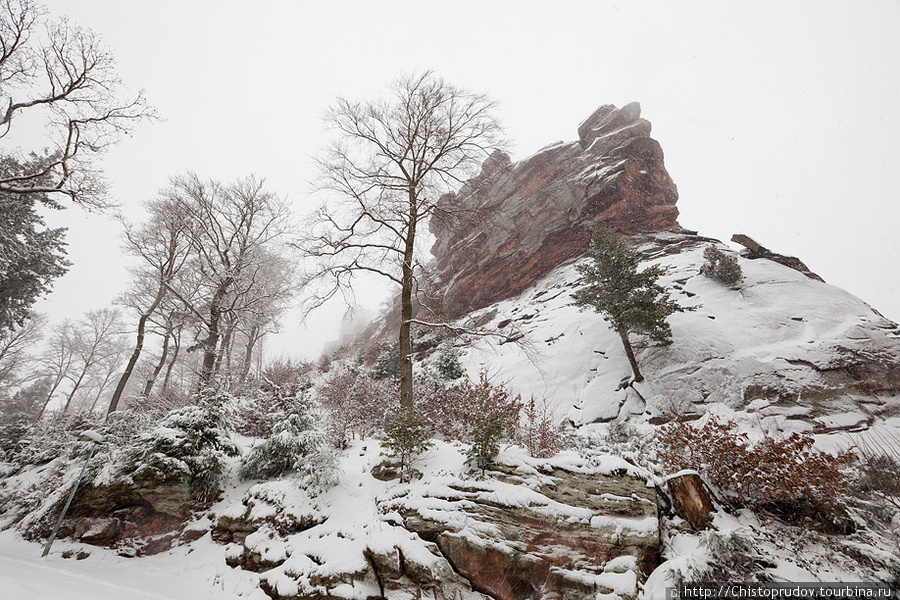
(184, 573)
(780, 343)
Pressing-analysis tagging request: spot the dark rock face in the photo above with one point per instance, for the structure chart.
(145, 515)
(756, 250)
(515, 222)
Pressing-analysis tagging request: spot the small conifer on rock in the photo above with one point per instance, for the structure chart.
(720, 266)
(632, 301)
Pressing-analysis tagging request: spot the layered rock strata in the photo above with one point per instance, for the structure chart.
(515, 222)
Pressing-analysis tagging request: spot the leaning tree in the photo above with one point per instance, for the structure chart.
(632, 301)
(391, 160)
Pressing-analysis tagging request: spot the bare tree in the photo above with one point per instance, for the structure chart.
(163, 246)
(234, 232)
(56, 360)
(65, 79)
(104, 372)
(391, 161)
(94, 341)
(16, 346)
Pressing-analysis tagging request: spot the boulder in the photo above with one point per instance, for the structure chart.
(144, 514)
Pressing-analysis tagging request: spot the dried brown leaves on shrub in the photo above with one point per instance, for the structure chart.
(771, 472)
(450, 412)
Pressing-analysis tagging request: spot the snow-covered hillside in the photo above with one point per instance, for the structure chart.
(793, 350)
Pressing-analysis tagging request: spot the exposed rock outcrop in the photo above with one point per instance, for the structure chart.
(756, 250)
(515, 222)
(570, 527)
(147, 516)
(595, 535)
(793, 351)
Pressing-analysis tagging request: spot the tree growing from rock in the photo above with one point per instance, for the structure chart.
(720, 266)
(631, 300)
(390, 162)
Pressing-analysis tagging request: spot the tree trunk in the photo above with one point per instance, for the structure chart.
(176, 338)
(74, 389)
(252, 338)
(210, 365)
(135, 355)
(47, 399)
(162, 361)
(406, 308)
(210, 349)
(629, 352)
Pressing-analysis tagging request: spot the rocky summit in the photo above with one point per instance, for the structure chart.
(780, 342)
(515, 222)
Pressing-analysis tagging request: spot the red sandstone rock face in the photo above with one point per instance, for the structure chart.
(515, 222)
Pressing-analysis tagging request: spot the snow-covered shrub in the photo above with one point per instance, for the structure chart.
(452, 411)
(406, 436)
(720, 266)
(777, 473)
(285, 378)
(295, 446)
(447, 363)
(13, 433)
(161, 403)
(51, 438)
(538, 433)
(485, 435)
(387, 363)
(253, 415)
(190, 444)
(355, 404)
(877, 483)
(480, 414)
(725, 556)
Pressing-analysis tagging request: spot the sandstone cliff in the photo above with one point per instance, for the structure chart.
(515, 222)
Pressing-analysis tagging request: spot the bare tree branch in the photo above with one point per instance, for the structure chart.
(65, 78)
(390, 161)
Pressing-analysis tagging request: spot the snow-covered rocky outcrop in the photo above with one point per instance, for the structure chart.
(574, 526)
(780, 345)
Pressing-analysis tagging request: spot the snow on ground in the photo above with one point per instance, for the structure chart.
(765, 333)
(190, 572)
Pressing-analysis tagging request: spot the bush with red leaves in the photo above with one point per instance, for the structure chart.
(539, 434)
(453, 411)
(355, 404)
(783, 472)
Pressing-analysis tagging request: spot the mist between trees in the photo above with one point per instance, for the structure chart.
(215, 264)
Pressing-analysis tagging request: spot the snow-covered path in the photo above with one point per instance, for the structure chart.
(175, 575)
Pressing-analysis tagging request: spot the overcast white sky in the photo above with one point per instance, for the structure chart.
(778, 119)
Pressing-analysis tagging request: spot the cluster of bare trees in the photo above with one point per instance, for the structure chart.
(73, 361)
(211, 277)
(210, 280)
